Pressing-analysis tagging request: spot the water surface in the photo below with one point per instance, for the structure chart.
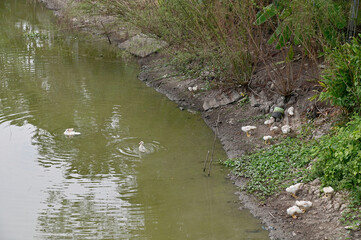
(97, 185)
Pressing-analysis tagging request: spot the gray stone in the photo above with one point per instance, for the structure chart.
(292, 100)
(265, 107)
(253, 101)
(343, 207)
(280, 102)
(55, 5)
(141, 45)
(217, 100)
(231, 121)
(315, 182)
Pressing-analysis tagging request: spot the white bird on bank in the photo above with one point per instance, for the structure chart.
(70, 132)
(292, 211)
(267, 139)
(269, 121)
(247, 129)
(328, 191)
(293, 189)
(141, 147)
(304, 205)
(274, 129)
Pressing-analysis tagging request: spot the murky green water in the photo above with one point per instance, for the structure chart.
(96, 185)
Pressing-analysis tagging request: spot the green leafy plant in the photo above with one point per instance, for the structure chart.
(303, 22)
(270, 170)
(342, 79)
(338, 158)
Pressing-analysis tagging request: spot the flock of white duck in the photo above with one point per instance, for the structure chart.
(71, 132)
(302, 206)
(274, 129)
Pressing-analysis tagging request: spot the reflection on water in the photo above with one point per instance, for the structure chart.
(98, 185)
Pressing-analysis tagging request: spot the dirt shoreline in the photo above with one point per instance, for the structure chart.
(322, 222)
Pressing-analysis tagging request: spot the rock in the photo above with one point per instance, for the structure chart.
(343, 207)
(253, 101)
(224, 98)
(291, 111)
(317, 134)
(329, 206)
(292, 100)
(141, 45)
(286, 129)
(231, 121)
(265, 107)
(317, 192)
(281, 102)
(315, 182)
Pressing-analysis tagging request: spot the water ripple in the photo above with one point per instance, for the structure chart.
(130, 147)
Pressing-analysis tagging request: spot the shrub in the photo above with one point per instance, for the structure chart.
(342, 80)
(313, 24)
(338, 158)
(220, 30)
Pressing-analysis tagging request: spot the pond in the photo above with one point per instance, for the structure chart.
(97, 185)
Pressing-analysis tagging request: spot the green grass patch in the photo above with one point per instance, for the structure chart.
(271, 170)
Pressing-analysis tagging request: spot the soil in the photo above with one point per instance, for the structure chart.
(319, 222)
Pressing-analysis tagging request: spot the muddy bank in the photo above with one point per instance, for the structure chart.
(227, 105)
(322, 221)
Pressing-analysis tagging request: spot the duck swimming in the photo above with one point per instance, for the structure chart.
(70, 132)
(141, 147)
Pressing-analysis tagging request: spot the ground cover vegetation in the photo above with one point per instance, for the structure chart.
(230, 39)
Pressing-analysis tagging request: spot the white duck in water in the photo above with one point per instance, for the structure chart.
(141, 147)
(70, 132)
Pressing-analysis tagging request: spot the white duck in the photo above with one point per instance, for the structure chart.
(247, 129)
(141, 147)
(292, 211)
(267, 139)
(274, 129)
(328, 191)
(70, 132)
(293, 189)
(269, 121)
(304, 205)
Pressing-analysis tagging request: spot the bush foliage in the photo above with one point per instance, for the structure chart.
(342, 79)
(230, 35)
(338, 158)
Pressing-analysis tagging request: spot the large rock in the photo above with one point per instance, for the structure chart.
(55, 5)
(141, 45)
(220, 99)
